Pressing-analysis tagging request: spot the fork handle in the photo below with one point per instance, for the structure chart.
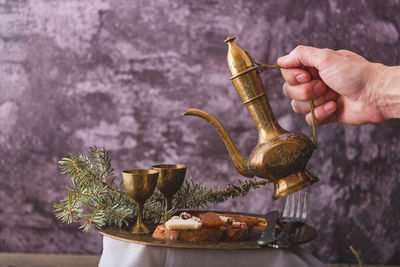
(268, 235)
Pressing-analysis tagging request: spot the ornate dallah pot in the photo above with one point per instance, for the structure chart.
(279, 156)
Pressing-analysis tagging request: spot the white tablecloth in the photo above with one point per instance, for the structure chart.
(124, 254)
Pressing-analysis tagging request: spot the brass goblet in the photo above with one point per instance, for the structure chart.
(140, 184)
(169, 181)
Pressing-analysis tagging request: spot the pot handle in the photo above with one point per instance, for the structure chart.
(263, 67)
(314, 127)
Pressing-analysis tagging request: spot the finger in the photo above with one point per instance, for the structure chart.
(322, 113)
(330, 119)
(305, 91)
(303, 107)
(304, 56)
(295, 76)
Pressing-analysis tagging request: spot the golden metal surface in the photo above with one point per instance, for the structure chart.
(292, 183)
(170, 180)
(305, 234)
(314, 126)
(140, 184)
(280, 156)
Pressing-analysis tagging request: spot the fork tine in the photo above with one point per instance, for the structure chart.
(292, 208)
(304, 213)
(298, 212)
(286, 209)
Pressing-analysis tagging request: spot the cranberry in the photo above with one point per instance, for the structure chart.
(185, 216)
(229, 221)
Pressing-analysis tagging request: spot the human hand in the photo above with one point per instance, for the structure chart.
(341, 83)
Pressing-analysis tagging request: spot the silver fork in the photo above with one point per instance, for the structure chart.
(294, 212)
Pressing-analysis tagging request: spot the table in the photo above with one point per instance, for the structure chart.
(125, 254)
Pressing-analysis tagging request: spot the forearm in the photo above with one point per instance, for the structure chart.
(387, 90)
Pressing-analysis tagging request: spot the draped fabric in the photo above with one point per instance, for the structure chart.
(124, 254)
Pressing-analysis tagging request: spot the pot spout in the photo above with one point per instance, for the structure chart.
(238, 161)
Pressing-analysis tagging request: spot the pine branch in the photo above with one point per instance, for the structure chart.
(90, 201)
(193, 196)
(94, 200)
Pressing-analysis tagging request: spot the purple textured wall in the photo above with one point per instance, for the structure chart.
(120, 73)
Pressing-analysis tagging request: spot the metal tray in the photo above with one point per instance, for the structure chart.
(305, 234)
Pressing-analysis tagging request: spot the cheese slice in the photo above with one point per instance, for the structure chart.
(175, 223)
(224, 219)
(234, 223)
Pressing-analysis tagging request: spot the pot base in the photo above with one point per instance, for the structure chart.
(293, 183)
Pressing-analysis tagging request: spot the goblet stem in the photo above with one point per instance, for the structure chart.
(140, 228)
(140, 213)
(168, 203)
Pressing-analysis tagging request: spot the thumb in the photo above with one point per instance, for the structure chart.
(305, 56)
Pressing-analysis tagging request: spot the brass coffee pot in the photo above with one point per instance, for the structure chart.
(280, 156)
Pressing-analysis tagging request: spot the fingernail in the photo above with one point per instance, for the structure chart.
(319, 88)
(329, 106)
(301, 78)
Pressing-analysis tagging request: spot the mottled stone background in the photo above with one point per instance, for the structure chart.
(120, 73)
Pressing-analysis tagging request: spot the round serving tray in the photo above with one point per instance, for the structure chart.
(304, 234)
